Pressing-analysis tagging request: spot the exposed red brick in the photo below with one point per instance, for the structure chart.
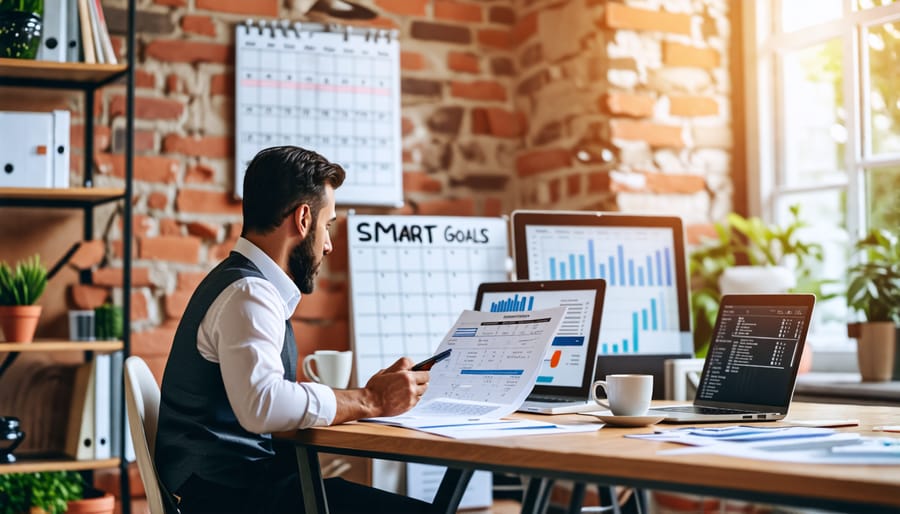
(214, 202)
(676, 54)
(268, 8)
(404, 7)
(102, 135)
(157, 200)
(170, 248)
(220, 251)
(493, 206)
(329, 303)
(169, 227)
(693, 105)
(140, 224)
(539, 161)
(407, 126)
(144, 79)
(478, 90)
(555, 188)
(175, 302)
(110, 164)
(421, 182)
(573, 185)
(653, 133)
(457, 11)
(144, 140)
(203, 230)
(234, 230)
(525, 28)
(619, 16)
(148, 108)
(157, 341)
(173, 83)
(88, 297)
(189, 280)
(218, 147)
(320, 336)
(675, 183)
(379, 22)
(412, 61)
(630, 104)
(598, 182)
(699, 232)
(202, 25)
(113, 277)
(448, 207)
(201, 174)
(498, 122)
(89, 254)
(171, 3)
(222, 84)
(150, 168)
(463, 61)
(138, 306)
(495, 38)
(179, 50)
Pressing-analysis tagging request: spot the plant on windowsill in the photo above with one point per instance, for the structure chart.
(20, 288)
(750, 256)
(51, 492)
(874, 291)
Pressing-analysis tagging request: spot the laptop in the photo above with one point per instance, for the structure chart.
(563, 383)
(752, 363)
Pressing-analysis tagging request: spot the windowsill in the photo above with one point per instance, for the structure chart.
(834, 359)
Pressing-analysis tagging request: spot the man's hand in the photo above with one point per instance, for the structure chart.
(389, 392)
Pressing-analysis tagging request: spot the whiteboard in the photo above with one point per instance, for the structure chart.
(411, 277)
(336, 92)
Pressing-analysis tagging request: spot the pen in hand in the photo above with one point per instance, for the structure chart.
(426, 364)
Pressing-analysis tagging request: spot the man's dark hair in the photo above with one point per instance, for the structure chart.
(280, 179)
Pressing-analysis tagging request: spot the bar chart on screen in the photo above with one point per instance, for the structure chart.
(641, 314)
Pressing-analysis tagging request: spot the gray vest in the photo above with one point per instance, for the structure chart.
(198, 432)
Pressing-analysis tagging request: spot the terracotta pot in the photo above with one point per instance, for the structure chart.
(19, 322)
(105, 504)
(875, 349)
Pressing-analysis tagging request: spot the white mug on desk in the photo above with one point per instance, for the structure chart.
(332, 367)
(626, 395)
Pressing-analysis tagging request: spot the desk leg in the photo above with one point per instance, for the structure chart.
(451, 490)
(311, 484)
(537, 495)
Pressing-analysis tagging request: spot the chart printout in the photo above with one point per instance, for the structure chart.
(334, 92)
(495, 360)
(640, 314)
(411, 277)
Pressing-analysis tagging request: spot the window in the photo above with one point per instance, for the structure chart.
(823, 116)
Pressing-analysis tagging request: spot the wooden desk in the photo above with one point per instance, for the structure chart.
(607, 457)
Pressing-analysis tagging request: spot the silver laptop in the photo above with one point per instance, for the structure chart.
(752, 363)
(563, 383)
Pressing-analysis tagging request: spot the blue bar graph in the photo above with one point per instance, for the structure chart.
(514, 304)
(646, 319)
(619, 266)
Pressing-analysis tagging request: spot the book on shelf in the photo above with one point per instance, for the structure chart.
(95, 39)
(80, 431)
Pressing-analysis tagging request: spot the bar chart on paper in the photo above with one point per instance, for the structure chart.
(640, 314)
(411, 277)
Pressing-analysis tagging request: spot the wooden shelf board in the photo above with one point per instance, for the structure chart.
(30, 463)
(71, 194)
(55, 345)
(61, 71)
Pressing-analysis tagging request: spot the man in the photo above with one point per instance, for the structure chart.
(230, 380)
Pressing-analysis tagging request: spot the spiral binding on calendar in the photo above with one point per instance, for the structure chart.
(288, 28)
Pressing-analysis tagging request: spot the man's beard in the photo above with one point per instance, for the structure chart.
(303, 266)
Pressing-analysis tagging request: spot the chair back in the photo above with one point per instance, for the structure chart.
(142, 402)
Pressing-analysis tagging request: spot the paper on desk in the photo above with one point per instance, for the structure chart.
(495, 361)
(509, 428)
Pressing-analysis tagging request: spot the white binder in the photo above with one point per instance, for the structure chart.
(73, 32)
(55, 31)
(80, 432)
(102, 407)
(34, 149)
(60, 153)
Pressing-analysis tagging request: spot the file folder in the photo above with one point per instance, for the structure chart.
(102, 406)
(80, 433)
(55, 29)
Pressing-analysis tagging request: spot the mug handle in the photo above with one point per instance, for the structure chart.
(599, 383)
(307, 368)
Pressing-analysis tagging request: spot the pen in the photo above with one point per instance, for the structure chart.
(426, 364)
(887, 428)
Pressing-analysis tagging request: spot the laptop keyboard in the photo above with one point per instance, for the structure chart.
(703, 410)
(549, 399)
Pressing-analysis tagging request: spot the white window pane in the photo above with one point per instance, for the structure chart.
(882, 44)
(868, 4)
(814, 118)
(798, 14)
(883, 197)
(823, 212)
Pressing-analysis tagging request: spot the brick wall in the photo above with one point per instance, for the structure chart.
(497, 96)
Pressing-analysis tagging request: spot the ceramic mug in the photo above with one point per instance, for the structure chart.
(626, 395)
(332, 367)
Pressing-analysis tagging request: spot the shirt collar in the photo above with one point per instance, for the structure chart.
(289, 292)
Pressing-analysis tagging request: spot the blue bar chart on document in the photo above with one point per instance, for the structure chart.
(638, 266)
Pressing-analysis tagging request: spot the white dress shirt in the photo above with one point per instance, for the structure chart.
(243, 331)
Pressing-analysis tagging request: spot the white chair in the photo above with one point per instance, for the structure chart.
(142, 402)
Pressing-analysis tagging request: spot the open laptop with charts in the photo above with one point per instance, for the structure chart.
(752, 363)
(567, 371)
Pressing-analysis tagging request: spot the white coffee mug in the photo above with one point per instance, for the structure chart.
(332, 367)
(627, 395)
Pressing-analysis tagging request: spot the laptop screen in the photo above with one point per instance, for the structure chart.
(755, 351)
(569, 365)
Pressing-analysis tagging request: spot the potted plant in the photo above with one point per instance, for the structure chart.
(873, 290)
(51, 492)
(20, 287)
(20, 28)
(778, 261)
